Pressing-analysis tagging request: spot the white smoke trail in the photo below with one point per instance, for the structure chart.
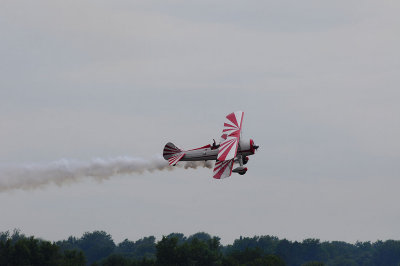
(31, 176)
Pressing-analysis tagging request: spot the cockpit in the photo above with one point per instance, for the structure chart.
(214, 145)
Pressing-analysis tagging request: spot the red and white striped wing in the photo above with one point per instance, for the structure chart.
(223, 169)
(228, 149)
(230, 136)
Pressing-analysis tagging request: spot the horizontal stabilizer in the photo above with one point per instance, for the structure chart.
(176, 158)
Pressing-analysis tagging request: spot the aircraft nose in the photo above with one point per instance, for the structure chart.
(253, 146)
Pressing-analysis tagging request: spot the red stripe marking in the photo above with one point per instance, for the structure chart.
(224, 164)
(232, 117)
(217, 166)
(204, 147)
(229, 125)
(225, 153)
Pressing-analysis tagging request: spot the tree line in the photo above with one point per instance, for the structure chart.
(98, 248)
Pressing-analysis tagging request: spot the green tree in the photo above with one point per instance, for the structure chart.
(96, 245)
(202, 252)
(116, 259)
(251, 256)
(387, 253)
(145, 247)
(126, 247)
(313, 263)
(181, 237)
(32, 251)
(69, 244)
(200, 236)
(167, 251)
(312, 250)
(73, 258)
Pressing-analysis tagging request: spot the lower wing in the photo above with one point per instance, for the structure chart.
(223, 169)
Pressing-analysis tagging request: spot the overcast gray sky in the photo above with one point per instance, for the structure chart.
(318, 82)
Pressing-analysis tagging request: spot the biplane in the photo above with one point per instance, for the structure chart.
(231, 149)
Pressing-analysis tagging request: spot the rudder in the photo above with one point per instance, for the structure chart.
(172, 154)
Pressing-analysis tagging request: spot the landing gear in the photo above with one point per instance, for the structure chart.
(240, 157)
(241, 170)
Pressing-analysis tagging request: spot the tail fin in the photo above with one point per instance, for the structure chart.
(172, 154)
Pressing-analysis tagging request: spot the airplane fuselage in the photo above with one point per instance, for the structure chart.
(205, 153)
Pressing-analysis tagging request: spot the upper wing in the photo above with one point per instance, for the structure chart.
(230, 136)
(223, 169)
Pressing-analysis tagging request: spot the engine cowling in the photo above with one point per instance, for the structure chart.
(247, 145)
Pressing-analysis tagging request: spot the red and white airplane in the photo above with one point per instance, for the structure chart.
(231, 149)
